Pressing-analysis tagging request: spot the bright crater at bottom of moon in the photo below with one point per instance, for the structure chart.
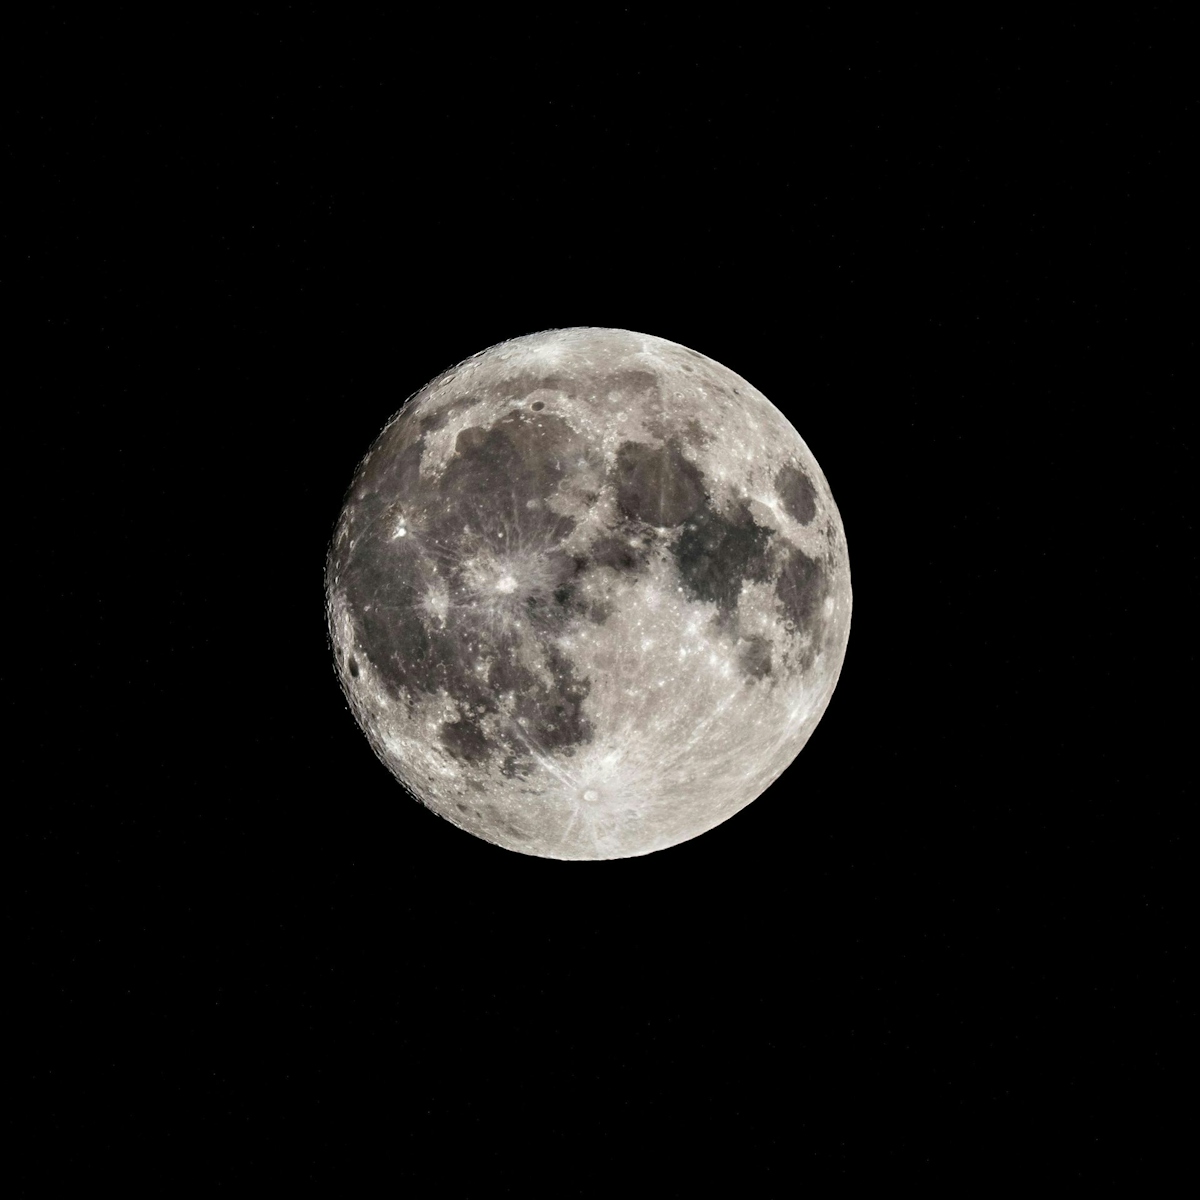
(589, 594)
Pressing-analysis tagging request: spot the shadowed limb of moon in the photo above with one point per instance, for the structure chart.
(589, 594)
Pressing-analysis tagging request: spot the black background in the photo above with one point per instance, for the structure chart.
(946, 945)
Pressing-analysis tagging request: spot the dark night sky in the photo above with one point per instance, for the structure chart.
(946, 945)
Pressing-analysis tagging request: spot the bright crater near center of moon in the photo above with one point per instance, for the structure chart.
(589, 594)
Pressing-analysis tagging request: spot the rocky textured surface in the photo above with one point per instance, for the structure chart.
(589, 594)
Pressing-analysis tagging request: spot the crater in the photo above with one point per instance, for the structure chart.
(797, 494)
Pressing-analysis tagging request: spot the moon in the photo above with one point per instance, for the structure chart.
(589, 594)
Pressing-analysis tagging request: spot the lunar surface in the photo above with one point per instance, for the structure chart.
(589, 594)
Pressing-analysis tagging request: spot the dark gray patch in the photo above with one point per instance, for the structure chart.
(494, 471)
(754, 657)
(561, 599)
(796, 491)
(630, 380)
(572, 600)
(800, 588)
(484, 489)
(620, 554)
(435, 420)
(381, 595)
(691, 433)
(537, 406)
(656, 484)
(598, 611)
(353, 666)
(465, 739)
(716, 553)
(515, 767)
(553, 714)
(507, 674)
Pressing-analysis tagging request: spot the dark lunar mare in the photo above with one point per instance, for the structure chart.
(796, 491)
(478, 503)
(802, 586)
(717, 553)
(656, 484)
(754, 657)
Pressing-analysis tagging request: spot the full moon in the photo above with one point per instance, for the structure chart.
(589, 594)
